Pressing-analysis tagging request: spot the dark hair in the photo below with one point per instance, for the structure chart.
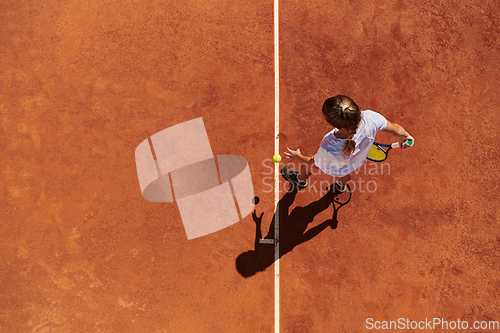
(340, 111)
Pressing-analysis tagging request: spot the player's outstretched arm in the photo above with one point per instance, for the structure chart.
(399, 131)
(296, 155)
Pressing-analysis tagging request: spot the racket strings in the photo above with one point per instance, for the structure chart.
(377, 154)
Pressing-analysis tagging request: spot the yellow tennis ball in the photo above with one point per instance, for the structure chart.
(277, 158)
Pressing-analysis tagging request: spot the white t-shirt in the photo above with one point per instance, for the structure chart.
(330, 158)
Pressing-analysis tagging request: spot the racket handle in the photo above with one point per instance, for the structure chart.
(396, 144)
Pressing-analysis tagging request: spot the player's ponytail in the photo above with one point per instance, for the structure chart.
(349, 145)
(341, 112)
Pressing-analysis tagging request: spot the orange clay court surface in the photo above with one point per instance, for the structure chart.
(84, 82)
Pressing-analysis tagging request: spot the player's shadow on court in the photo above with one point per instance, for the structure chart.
(292, 231)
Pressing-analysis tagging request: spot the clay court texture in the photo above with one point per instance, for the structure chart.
(83, 83)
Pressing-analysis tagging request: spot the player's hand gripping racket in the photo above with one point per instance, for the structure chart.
(379, 151)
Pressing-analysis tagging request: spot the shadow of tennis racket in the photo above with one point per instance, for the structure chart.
(338, 202)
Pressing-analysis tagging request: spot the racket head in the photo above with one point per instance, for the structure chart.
(377, 153)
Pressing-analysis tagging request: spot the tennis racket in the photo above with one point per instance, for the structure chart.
(379, 151)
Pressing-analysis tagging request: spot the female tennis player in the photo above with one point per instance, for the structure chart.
(345, 148)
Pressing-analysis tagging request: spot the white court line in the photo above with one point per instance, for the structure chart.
(276, 172)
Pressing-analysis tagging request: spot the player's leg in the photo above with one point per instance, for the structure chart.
(299, 178)
(341, 182)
